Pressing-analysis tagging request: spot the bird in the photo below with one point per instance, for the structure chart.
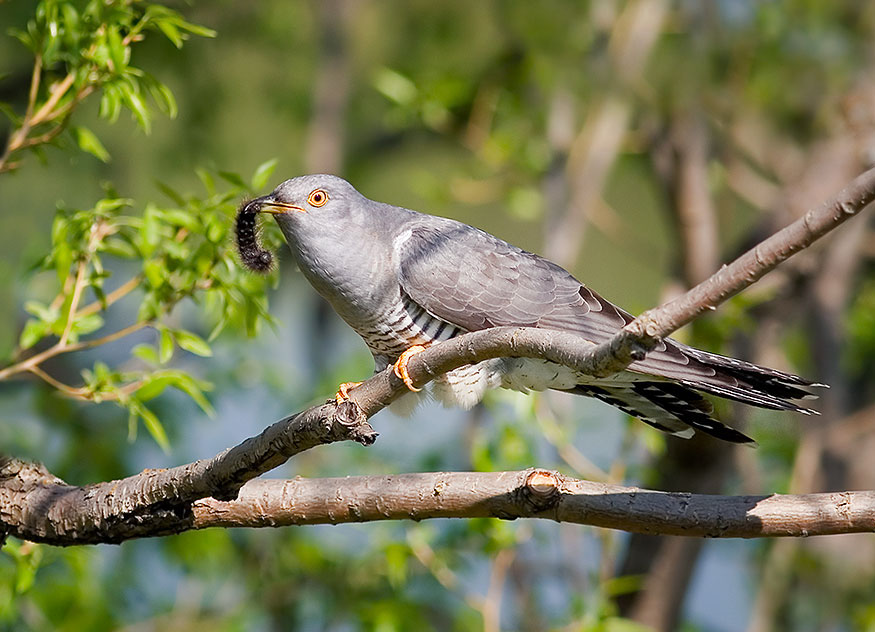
(404, 280)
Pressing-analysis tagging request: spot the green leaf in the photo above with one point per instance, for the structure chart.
(153, 424)
(183, 219)
(158, 382)
(164, 98)
(132, 425)
(26, 566)
(395, 86)
(196, 29)
(154, 385)
(165, 346)
(195, 389)
(110, 103)
(33, 332)
(207, 180)
(396, 556)
(111, 205)
(118, 248)
(63, 255)
(262, 174)
(216, 232)
(154, 272)
(192, 343)
(151, 229)
(146, 353)
(169, 192)
(43, 312)
(118, 52)
(233, 178)
(88, 142)
(137, 106)
(87, 324)
(170, 32)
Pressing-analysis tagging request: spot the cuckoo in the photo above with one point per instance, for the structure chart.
(404, 280)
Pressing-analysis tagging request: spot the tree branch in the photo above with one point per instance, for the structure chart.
(646, 330)
(536, 494)
(37, 506)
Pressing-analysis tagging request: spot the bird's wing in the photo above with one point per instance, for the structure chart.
(474, 280)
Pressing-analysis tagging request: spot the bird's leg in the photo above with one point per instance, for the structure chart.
(400, 367)
(343, 391)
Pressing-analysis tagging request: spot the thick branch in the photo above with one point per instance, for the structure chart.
(507, 495)
(536, 494)
(35, 505)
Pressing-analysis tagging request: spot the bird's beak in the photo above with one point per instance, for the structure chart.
(268, 204)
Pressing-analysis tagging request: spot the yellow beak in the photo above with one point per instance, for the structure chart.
(277, 208)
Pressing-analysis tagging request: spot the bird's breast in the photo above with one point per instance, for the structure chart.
(403, 324)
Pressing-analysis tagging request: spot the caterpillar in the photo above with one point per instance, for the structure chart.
(252, 255)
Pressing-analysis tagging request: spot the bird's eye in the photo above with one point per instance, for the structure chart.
(317, 198)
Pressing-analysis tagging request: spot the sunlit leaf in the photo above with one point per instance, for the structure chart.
(146, 352)
(192, 343)
(86, 324)
(33, 332)
(263, 173)
(165, 345)
(89, 143)
(152, 424)
(395, 86)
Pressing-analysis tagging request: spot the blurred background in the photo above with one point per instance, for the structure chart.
(640, 144)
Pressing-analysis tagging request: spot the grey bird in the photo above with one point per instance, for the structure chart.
(403, 280)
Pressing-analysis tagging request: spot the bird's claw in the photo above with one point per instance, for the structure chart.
(400, 368)
(343, 391)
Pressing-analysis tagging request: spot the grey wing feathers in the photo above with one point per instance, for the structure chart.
(475, 281)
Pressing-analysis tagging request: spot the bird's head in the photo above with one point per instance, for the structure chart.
(319, 196)
(313, 212)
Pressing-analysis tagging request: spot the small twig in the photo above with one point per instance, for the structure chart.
(82, 392)
(68, 390)
(42, 138)
(18, 136)
(78, 286)
(56, 349)
(120, 292)
(60, 89)
(33, 92)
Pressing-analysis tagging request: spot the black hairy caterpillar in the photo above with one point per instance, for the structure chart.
(252, 255)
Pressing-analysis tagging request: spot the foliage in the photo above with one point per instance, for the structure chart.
(180, 251)
(83, 47)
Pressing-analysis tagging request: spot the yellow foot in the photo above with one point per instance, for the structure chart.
(343, 391)
(400, 368)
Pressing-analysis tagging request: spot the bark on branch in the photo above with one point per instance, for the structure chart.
(536, 494)
(35, 505)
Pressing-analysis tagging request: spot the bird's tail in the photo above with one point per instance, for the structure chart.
(750, 383)
(666, 406)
